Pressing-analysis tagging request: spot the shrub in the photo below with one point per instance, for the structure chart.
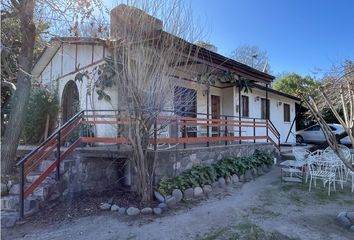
(42, 102)
(201, 175)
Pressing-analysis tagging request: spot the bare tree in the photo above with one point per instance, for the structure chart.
(147, 56)
(252, 56)
(337, 93)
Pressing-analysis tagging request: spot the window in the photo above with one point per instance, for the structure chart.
(185, 102)
(265, 113)
(245, 106)
(286, 112)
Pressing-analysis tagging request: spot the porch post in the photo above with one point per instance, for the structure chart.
(208, 112)
(239, 109)
(267, 111)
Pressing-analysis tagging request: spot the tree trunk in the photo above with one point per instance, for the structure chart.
(20, 98)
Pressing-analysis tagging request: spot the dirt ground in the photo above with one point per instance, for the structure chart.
(261, 209)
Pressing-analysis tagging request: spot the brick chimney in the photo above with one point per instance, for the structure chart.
(127, 22)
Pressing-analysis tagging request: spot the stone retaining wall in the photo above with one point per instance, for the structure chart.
(83, 173)
(173, 162)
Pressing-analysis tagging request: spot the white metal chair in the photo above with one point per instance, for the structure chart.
(321, 170)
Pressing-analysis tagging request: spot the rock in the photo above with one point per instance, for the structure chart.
(105, 206)
(352, 228)
(146, 210)
(162, 206)
(215, 185)
(114, 208)
(260, 170)
(15, 189)
(207, 189)
(8, 219)
(122, 210)
(159, 196)
(4, 190)
(188, 194)
(248, 175)
(133, 211)
(350, 215)
(198, 192)
(265, 168)
(228, 180)
(235, 178)
(242, 178)
(157, 211)
(221, 182)
(254, 172)
(171, 201)
(177, 194)
(343, 220)
(31, 205)
(10, 202)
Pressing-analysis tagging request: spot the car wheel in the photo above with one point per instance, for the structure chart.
(299, 139)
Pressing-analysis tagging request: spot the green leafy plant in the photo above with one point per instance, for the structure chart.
(42, 102)
(201, 175)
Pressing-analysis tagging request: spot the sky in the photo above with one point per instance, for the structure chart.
(301, 36)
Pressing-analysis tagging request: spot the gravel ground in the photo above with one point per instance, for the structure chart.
(287, 210)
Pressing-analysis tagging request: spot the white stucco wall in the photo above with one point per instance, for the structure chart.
(62, 66)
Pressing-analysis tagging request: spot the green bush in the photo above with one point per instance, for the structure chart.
(201, 175)
(42, 102)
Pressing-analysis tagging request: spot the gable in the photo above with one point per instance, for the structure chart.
(64, 58)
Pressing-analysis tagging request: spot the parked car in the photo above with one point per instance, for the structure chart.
(314, 134)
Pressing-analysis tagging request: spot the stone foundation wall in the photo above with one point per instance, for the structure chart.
(88, 173)
(172, 162)
(91, 174)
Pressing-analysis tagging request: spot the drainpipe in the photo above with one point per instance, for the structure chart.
(267, 111)
(239, 108)
(208, 112)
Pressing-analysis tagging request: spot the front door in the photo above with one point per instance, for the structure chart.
(215, 113)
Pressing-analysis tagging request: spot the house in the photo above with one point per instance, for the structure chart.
(219, 119)
(67, 56)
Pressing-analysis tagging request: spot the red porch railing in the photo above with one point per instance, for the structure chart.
(167, 129)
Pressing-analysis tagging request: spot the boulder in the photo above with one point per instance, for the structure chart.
(8, 219)
(177, 194)
(265, 168)
(207, 189)
(235, 178)
(248, 175)
(105, 206)
(159, 196)
(254, 173)
(157, 211)
(242, 178)
(133, 211)
(350, 215)
(221, 182)
(198, 192)
(171, 201)
(15, 189)
(162, 206)
(343, 220)
(4, 190)
(260, 170)
(146, 210)
(122, 210)
(188, 194)
(215, 185)
(114, 208)
(351, 228)
(228, 180)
